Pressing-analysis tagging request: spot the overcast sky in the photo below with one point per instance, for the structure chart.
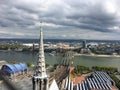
(63, 19)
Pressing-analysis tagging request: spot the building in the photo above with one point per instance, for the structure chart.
(61, 80)
(13, 70)
(85, 49)
(84, 44)
(40, 79)
(97, 81)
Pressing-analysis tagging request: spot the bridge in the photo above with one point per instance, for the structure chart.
(59, 74)
(62, 70)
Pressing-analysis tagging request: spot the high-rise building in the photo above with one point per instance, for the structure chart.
(84, 44)
(40, 79)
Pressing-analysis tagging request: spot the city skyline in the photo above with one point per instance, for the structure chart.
(62, 19)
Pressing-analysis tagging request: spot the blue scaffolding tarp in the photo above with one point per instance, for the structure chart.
(14, 68)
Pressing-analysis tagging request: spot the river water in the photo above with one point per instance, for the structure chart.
(79, 60)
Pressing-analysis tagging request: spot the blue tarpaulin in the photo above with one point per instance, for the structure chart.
(14, 68)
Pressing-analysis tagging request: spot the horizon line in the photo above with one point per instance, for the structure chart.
(63, 39)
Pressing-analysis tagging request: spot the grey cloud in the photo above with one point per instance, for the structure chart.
(87, 15)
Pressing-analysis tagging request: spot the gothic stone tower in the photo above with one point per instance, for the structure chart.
(40, 78)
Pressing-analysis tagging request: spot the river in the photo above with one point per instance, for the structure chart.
(78, 60)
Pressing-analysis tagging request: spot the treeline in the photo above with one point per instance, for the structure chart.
(81, 69)
(85, 69)
(105, 69)
(15, 47)
(117, 81)
(10, 46)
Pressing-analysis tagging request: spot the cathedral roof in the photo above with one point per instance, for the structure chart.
(54, 86)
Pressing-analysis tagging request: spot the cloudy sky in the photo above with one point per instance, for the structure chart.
(63, 19)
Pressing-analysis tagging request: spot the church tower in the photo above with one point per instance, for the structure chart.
(40, 79)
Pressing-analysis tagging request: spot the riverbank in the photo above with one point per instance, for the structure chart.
(51, 60)
(96, 55)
